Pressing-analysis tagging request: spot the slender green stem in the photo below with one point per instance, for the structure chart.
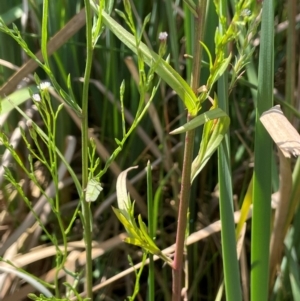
(151, 282)
(62, 255)
(51, 125)
(86, 214)
(135, 123)
(45, 33)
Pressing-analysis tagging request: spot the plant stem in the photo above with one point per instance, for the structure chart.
(151, 222)
(187, 159)
(182, 213)
(86, 214)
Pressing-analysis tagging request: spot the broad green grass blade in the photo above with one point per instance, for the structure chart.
(230, 260)
(17, 98)
(262, 165)
(13, 14)
(163, 69)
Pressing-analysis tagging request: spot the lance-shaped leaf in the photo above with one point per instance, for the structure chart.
(217, 70)
(139, 236)
(213, 134)
(163, 69)
(128, 223)
(134, 241)
(146, 238)
(199, 120)
(151, 246)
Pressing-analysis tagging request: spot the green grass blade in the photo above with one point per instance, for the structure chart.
(16, 98)
(230, 260)
(45, 33)
(173, 32)
(163, 69)
(199, 120)
(263, 160)
(13, 14)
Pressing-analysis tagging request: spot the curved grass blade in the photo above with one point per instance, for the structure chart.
(17, 98)
(123, 199)
(163, 69)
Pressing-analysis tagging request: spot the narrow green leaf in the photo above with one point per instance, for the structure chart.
(17, 98)
(192, 7)
(119, 143)
(146, 236)
(218, 70)
(199, 120)
(13, 14)
(213, 134)
(45, 32)
(130, 227)
(163, 69)
(208, 54)
(223, 67)
(134, 241)
(232, 278)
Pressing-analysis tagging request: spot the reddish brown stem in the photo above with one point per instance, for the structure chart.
(187, 159)
(182, 214)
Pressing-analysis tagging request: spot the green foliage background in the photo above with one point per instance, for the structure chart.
(113, 63)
